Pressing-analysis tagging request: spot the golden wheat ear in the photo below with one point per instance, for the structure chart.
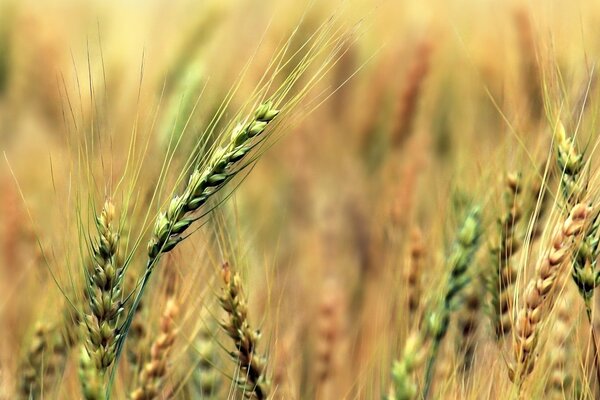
(251, 377)
(151, 379)
(537, 299)
(503, 272)
(43, 362)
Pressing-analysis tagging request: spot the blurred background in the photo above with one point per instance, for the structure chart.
(424, 112)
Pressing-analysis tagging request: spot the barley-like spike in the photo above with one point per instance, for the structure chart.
(537, 293)
(252, 378)
(205, 377)
(154, 371)
(437, 320)
(45, 356)
(560, 378)
(503, 274)
(203, 183)
(414, 272)
(571, 163)
(585, 272)
(105, 282)
(89, 377)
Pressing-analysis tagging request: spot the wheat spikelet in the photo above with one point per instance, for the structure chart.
(560, 378)
(436, 322)
(468, 323)
(403, 386)
(504, 273)
(530, 68)
(204, 183)
(154, 371)
(104, 292)
(251, 379)
(585, 272)
(205, 378)
(413, 273)
(537, 293)
(89, 377)
(584, 265)
(45, 357)
(329, 331)
(407, 104)
(571, 164)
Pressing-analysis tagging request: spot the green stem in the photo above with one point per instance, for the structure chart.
(430, 368)
(127, 324)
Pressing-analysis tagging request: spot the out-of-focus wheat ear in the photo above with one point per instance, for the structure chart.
(286, 353)
(535, 206)
(423, 344)
(152, 376)
(43, 361)
(89, 377)
(411, 93)
(329, 331)
(104, 291)
(437, 320)
(537, 297)
(206, 379)
(404, 386)
(560, 379)
(414, 273)
(531, 77)
(468, 321)
(251, 377)
(502, 248)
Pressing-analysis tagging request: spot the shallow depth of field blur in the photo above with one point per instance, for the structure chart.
(421, 151)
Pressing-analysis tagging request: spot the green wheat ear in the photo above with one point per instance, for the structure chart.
(203, 183)
(586, 274)
(437, 320)
(571, 163)
(104, 291)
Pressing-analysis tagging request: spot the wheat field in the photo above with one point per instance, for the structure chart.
(320, 199)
